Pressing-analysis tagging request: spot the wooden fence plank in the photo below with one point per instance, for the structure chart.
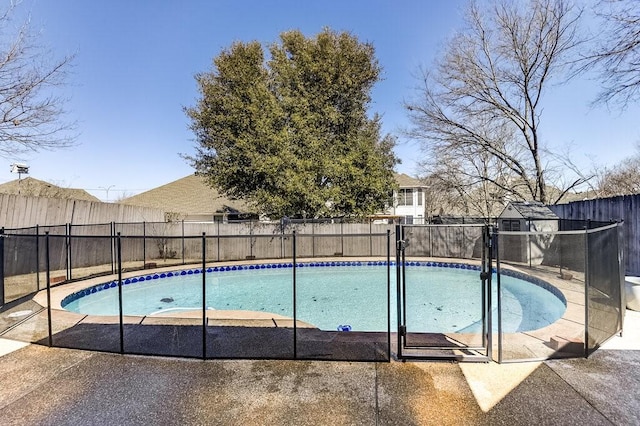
(17, 211)
(622, 208)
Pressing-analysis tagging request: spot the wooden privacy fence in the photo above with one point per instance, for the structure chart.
(17, 211)
(623, 208)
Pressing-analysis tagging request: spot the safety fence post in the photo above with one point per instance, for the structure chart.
(295, 315)
(48, 278)
(204, 296)
(2, 237)
(120, 312)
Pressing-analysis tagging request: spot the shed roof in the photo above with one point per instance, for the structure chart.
(529, 210)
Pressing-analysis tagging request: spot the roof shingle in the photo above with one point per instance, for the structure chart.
(187, 196)
(31, 187)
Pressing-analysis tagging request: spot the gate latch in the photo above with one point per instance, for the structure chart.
(402, 244)
(402, 330)
(484, 275)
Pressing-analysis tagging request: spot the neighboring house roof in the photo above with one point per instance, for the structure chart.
(191, 196)
(188, 196)
(405, 181)
(31, 187)
(528, 210)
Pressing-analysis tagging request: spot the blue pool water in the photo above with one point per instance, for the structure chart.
(335, 295)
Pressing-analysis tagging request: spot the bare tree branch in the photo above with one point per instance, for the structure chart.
(30, 112)
(482, 104)
(622, 179)
(616, 52)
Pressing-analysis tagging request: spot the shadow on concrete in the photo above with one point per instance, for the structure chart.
(225, 342)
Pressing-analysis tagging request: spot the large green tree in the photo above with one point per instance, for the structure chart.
(291, 134)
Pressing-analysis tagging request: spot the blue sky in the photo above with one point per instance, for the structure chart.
(135, 64)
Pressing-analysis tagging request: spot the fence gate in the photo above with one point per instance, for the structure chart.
(449, 321)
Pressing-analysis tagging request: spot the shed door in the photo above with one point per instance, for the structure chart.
(512, 247)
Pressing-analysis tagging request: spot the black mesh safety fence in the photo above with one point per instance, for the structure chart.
(343, 304)
(161, 251)
(540, 289)
(131, 229)
(134, 250)
(89, 256)
(23, 260)
(444, 241)
(323, 241)
(605, 307)
(202, 308)
(58, 251)
(20, 267)
(95, 230)
(307, 317)
(90, 250)
(577, 277)
(159, 315)
(576, 224)
(442, 293)
(260, 326)
(20, 251)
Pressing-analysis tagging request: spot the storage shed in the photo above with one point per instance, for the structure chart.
(526, 216)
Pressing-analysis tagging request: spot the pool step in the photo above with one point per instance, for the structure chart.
(563, 344)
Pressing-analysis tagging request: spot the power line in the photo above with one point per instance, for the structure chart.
(115, 189)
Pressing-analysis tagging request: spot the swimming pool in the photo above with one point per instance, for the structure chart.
(441, 297)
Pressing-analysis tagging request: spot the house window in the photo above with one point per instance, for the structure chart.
(408, 220)
(419, 197)
(405, 197)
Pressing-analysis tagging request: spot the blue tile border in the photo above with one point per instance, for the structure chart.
(323, 264)
(537, 281)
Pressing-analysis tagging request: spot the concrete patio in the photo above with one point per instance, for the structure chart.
(53, 386)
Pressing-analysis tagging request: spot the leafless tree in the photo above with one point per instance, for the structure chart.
(453, 185)
(31, 114)
(616, 51)
(620, 179)
(624, 179)
(481, 106)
